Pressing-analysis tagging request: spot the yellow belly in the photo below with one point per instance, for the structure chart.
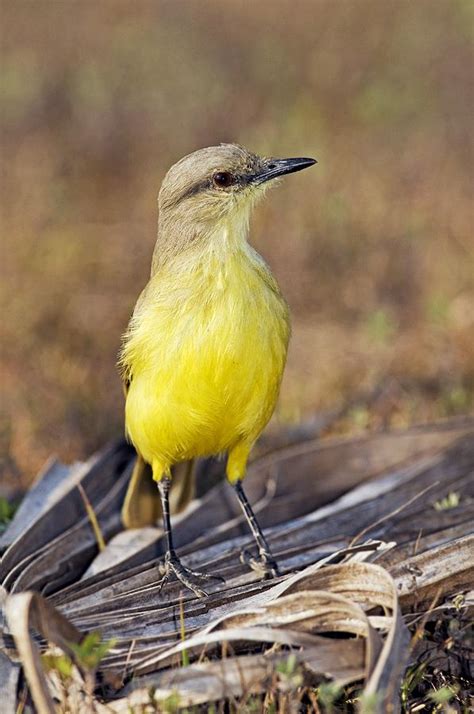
(206, 360)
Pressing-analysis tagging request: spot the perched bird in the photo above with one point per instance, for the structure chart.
(203, 356)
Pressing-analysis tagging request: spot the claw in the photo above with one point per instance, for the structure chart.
(265, 566)
(189, 578)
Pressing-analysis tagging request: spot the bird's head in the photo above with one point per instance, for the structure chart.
(214, 185)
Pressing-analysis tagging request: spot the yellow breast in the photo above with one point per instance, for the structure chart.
(205, 352)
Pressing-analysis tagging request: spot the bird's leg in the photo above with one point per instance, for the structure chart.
(266, 564)
(190, 578)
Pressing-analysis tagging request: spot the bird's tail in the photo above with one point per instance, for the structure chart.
(142, 506)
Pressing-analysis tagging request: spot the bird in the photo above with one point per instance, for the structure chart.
(204, 352)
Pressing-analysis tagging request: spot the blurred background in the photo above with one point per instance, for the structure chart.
(373, 247)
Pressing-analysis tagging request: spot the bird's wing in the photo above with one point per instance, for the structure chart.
(142, 506)
(124, 366)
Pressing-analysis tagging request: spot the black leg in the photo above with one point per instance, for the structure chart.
(267, 564)
(164, 487)
(190, 578)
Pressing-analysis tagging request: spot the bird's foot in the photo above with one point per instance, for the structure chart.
(190, 578)
(266, 565)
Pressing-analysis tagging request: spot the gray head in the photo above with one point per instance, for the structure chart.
(212, 185)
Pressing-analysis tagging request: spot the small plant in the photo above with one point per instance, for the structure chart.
(443, 695)
(170, 705)
(62, 664)
(289, 672)
(91, 651)
(70, 685)
(88, 654)
(413, 677)
(328, 693)
(452, 500)
(7, 511)
(65, 679)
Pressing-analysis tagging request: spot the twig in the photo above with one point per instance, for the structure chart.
(417, 542)
(414, 498)
(93, 518)
(182, 628)
(419, 630)
(127, 661)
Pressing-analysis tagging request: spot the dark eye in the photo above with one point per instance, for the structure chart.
(223, 179)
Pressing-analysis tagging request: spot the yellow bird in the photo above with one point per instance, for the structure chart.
(203, 356)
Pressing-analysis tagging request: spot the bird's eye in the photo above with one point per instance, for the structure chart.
(223, 179)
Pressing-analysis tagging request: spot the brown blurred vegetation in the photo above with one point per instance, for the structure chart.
(373, 247)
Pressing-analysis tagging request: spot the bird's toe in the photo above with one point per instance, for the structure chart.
(191, 579)
(265, 565)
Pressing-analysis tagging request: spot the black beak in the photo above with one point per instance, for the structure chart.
(272, 168)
